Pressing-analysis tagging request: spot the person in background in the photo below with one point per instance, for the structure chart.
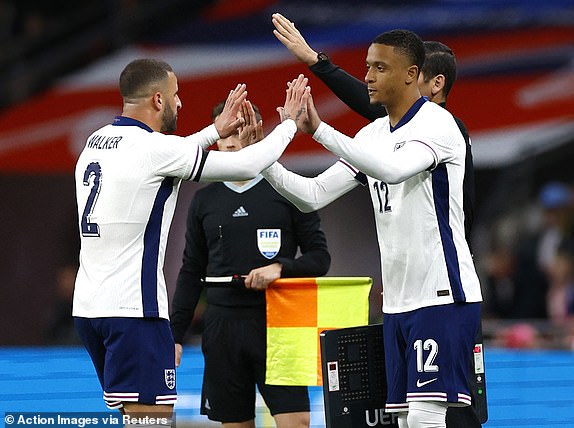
(557, 202)
(243, 228)
(555, 253)
(560, 297)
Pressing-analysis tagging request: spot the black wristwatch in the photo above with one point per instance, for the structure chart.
(322, 56)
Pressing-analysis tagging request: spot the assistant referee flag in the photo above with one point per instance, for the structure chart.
(298, 310)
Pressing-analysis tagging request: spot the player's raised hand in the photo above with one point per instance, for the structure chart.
(313, 120)
(230, 120)
(293, 40)
(252, 130)
(295, 100)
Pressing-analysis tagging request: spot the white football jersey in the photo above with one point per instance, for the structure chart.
(127, 181)
(425, 258)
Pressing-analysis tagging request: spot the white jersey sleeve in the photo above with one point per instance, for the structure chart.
(174, 156)
(438, 132)
(309, 194)
(247, 163)
(204, 138)
(372, 158)
(416, 172)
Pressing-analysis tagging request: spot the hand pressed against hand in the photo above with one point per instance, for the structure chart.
(252, 130)
(313, 120)
(306, 117)
(293, 40)
(228, 122)
(296, 101)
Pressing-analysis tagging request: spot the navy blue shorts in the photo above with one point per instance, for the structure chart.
(134, 358)
(428, 353)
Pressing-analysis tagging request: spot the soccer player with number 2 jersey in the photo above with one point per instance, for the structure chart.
(127, 180)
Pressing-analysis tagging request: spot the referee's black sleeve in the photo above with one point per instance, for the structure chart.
(348, 89)
(468, 183)
(189, 286)
(315, 259)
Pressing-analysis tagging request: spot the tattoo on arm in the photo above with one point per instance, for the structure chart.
(299, 113)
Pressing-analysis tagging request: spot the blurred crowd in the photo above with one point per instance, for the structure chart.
(41, 41)
(528, 273)
(27, 20)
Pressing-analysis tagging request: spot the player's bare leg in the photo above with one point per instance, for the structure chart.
(293, 420)
(158, 415)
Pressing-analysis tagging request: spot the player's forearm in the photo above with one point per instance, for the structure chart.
(315, 262)
(314, 259)
(306, 193)
(247, 163)
(369, 157)
(204, 138)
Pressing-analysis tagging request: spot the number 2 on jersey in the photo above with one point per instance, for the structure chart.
(93, 176)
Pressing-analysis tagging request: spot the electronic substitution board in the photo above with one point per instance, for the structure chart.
(354, 380)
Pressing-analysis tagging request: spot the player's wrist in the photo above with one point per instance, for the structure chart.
(310, 57)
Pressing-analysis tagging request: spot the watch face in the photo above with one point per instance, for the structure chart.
(321, 56)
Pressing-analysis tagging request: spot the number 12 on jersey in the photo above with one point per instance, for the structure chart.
(382, 190)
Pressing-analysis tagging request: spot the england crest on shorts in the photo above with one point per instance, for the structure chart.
(169, 378)
(269, 242)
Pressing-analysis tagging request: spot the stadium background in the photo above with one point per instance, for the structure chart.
(59, 64)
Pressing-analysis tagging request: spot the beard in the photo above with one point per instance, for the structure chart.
(169, 120)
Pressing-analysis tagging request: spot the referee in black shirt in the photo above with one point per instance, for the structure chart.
(246, 230)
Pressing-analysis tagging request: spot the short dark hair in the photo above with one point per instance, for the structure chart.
(140, 75)
(439, 59)
(219, 108)
(409, 43)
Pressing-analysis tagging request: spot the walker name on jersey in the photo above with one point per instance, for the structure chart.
(101, 142)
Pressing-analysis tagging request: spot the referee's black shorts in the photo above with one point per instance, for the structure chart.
(233, 345)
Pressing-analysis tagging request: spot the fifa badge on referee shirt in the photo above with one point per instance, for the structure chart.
(269, 242)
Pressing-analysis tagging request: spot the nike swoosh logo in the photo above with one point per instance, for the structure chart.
(426, 382)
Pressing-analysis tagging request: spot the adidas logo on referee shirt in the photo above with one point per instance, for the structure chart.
(240, 212)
